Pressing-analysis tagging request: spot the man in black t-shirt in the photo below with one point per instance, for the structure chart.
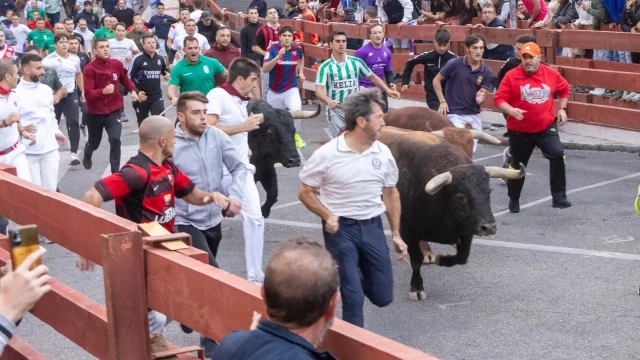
(68, 30)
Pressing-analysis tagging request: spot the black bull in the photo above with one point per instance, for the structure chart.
(273, 143)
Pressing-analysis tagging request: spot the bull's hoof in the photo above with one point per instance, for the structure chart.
(429, 258)
(417, 295)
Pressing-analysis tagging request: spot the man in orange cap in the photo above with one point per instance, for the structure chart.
(526, 96)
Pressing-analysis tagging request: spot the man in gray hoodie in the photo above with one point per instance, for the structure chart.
(203, 152)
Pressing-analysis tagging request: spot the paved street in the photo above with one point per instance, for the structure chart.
(550, 284)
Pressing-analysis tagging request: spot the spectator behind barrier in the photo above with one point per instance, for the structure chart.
(300, 292)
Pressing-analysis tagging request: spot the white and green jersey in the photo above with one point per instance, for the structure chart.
(341, 79)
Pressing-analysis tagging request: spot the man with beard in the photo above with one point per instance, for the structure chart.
(86, 34)
(146, 70)
(207, 27)
(178, 44)
(300, 294)
(68, 30)
(178, 29)
(357, 175)
(137, 33)
(378, 59)
(68, 68)
(104, 102)
(223, 50)
(50, 76)
(35, 105)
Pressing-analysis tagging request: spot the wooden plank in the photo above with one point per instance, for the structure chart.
(17, 349)
(315, 51)
(229, 301)
(126, 300)
(8, 169)
(564, 61)
(501, 36)
(619, 41)
(239, 20)
(352, 30)
(315, 28)
(27, 203)
(626, 81)
(605, 115)
(420, 48)
(615, 66)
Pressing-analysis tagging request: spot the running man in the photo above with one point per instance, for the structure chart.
(338, 77)
(378, 59)
(281, 63)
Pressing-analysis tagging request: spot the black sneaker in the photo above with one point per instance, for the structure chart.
(86, 161)
(561, 202)
(514, 206)
(186, 329)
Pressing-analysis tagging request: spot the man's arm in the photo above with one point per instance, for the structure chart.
(391, 199)
(235, 165)
(309, 197)
(408, 69)
(199, 197)
(80, 84)
(437, 87)
(90, 92)
(379, 83)
(93, 197)
(258, 50)
(534, 13)
(248, 125)
(172, 94)
(244, 43)
(321, 94)
(269, 65)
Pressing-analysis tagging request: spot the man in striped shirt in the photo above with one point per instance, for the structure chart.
(338, 77)
(266, 36)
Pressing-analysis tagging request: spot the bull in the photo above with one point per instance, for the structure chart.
(424, 119)
(273, 143)
(445, 197)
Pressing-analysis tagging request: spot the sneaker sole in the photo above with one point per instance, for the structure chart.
(75, 162)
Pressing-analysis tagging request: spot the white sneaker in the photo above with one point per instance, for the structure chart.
(597, 92)
(74, 159)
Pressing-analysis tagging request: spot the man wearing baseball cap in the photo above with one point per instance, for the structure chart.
(526, 96)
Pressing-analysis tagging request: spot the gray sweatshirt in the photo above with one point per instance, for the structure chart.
(204, 161)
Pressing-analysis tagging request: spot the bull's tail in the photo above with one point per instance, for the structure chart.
(460, 258)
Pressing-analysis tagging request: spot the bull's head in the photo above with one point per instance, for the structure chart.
(469, 191)
(273, 142)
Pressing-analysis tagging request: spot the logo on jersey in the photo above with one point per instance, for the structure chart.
(384, 54)
(205, 69)
(167, 199)
(159, 62)
(376, 163)
(345, 84)
(115, 77)
(537, 95)
(370, 54)
(168, 215)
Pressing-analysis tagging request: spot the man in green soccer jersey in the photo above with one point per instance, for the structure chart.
(338, 77)
(39, 37)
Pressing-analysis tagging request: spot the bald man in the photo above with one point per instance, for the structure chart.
(300, 292)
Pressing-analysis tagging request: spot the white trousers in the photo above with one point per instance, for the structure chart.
(460, 121)
(18, 159)
(289, 100)
(253, 224)
(162, 51)
(44, 169)
(264, 79)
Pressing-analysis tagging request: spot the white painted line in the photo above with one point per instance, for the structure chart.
(487, 157)
(485, 242)
(445, 306)
(540, 201)
(286, 205)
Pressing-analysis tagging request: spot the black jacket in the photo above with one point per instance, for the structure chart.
(125, 16)
(247, 40)
(208, 31)
(292, 14)
(145, 73)
(630, 18)
(92, 19)
(262, 7)
(467, 13)
(565, 14)
(433, 63)
(6, 5)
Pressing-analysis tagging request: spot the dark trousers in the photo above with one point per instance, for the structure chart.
(53, 18)
(111, 123)
(521, 147)
(206, 240)
(148, 107)
(433, 104)
(70, 107)
(360, 249)
(70, 8)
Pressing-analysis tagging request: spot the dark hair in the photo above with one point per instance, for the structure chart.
(99, 40)
(27, 59)
(147, 35)
(374, 25)
(360, 104)
(6, 67)
(252, 8)
(6, 11)
(242, 67)
(40, 18)
(67, 19)
(103, 18)
(31, 48)
(189, 20)
(120, 24)
(292, 3)
(297, 293)
(526, 38)
(189, 38)
(15, 13)
(222, 27)
(181, 10)
(87, 2)
(372, 11)
(473, 39)
(442, 37)
(218, 16)
(57, 37)
(181, 105)
(159, 4)
(285, 29)
(336, 33)
(197, 4)
(72, 38)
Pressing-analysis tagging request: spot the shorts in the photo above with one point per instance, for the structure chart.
(289, 99)
(336, 121)
(460, 121)
(162, 47)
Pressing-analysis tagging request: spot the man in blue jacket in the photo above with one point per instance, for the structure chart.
(161, 22)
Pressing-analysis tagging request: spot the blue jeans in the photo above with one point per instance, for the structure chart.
(360, 249)
(53, 18)
(625, 56)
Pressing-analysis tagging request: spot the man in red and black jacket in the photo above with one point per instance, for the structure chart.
(104, 102)
(526, 95)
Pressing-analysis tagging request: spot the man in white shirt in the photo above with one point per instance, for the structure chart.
(227, 110)
(68, 68)
(178, 29)
(178, 45)
(87, 34)
(197, 11)
(11, 149)
(123, 50)
(20, 31)
(356, 178)
(35, 104)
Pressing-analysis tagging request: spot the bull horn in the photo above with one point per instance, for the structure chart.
(438, 182)
(481, 135)
(260, 116)
(439, 133)
(498, 172)
(305, 114)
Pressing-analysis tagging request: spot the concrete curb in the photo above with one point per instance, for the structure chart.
(575, 145)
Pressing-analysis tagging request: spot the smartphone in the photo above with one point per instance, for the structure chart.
(23, 241)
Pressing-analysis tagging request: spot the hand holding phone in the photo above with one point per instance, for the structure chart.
(24, 241)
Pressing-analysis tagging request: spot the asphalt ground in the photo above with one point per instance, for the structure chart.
(558, 284)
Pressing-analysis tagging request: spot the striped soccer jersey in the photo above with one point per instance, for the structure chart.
(341, 79)
(284, 75)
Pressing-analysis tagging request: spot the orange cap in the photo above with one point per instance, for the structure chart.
(530, 48)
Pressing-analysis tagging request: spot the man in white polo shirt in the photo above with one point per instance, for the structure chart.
(356, 177)
(227, 110)
(178, 44)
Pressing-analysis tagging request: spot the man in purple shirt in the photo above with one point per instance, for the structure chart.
(378, 59)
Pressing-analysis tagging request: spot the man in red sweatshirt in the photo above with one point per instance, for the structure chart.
(104, 101)
(526, 96)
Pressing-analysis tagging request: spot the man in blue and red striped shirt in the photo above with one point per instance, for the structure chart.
(283, 62)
